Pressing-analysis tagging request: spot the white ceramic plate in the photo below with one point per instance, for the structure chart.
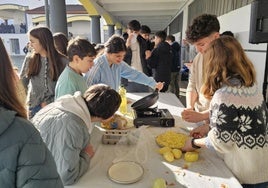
(125, 172)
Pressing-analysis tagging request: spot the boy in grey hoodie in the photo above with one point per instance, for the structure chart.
(65, 127)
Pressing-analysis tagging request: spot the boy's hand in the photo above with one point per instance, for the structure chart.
(89, 150)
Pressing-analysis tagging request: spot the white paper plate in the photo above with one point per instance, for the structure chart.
(125, 172)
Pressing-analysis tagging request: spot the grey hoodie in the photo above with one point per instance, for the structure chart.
(65, 126)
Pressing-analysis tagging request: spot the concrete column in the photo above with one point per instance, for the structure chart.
(110, 30)
(118, 31)
(47, 13)
(95, 29)
(58, 20)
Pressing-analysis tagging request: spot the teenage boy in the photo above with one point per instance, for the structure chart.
(204, 29)
(81, 55)
(66, 125)
(175, 65)
(135, 56)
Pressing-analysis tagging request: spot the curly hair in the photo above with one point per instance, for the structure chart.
(201, 27)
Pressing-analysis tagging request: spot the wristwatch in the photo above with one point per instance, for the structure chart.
(193, 144)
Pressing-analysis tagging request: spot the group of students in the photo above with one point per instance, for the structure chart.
(154, 58)
(62, 105)
(222, 93)
(65, 94)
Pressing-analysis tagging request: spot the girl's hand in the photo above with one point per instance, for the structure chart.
(188, 145)
(200, 131)
(159, 85)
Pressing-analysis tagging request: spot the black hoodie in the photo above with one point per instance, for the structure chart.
(161, 60)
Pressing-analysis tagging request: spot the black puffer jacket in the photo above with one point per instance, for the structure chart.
(160, 61)
(176, 57)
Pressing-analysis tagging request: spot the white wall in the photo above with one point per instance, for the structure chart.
(81, 28)
(23, 39)
(238, 22)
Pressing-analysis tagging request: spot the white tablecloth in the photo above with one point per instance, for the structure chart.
(209, 171)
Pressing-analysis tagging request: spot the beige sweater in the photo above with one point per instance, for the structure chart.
(196, 81)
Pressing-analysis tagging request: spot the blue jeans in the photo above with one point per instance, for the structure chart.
(34, 110)
(259, 185)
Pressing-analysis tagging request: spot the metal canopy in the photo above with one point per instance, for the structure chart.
(157, 14)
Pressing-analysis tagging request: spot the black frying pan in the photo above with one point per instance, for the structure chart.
(146, 102)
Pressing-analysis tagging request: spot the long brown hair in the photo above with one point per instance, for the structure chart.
(8, 95)
(225, 59)
(61, 42)
(45, 37)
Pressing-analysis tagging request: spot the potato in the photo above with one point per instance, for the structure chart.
(164, 150)
(191, 156)
(159, 183)
(177, 153)
(168, 156)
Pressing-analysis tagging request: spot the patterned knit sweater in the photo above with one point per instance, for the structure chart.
(238, 119)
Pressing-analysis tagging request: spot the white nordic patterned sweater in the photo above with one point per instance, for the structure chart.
(238, 118)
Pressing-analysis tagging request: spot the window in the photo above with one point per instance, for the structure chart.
(14, 46)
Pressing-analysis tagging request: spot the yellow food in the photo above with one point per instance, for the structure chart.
(177, 153)
(116, 122)
(159, 183)
(171, 139)
(164, 150)
(191, 156)
(168, 156)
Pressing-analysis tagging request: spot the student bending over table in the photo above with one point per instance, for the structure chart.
(65, 127)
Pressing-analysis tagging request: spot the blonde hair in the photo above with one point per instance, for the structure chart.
(225, 59)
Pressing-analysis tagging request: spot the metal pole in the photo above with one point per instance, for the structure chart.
(58, 18)
(47, 13)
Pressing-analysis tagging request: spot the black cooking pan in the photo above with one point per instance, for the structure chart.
(146, 102)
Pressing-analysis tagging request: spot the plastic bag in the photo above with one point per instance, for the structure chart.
(133, 146)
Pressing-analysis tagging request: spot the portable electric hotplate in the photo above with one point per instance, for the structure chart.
(144, 115)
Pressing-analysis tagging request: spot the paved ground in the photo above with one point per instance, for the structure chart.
(183, 85)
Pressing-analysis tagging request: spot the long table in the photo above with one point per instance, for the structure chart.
(209, 171)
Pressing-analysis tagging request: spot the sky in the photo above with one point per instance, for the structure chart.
(34, 3)
(31, 4)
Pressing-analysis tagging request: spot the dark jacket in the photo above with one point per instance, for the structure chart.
(143, 47)
(176, 57)
(161, 60)
(25, 160)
